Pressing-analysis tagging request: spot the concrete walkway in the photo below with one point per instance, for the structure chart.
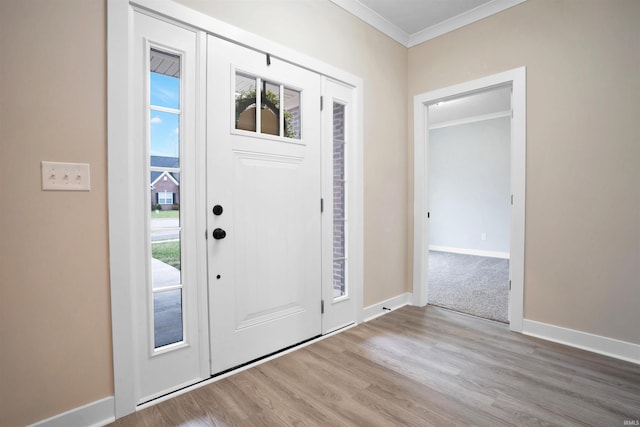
(163, 274)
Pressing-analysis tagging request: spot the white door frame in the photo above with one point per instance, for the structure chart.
(517, 79)
(122, 171)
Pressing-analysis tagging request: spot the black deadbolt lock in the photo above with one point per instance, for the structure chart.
(219, 233)
(217, 210)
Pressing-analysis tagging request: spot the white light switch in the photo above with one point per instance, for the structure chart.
(66, 176)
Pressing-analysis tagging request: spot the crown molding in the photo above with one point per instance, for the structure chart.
(408, 40)
(459, 21)
(372, 18)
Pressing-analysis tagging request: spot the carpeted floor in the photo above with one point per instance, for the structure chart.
(470, 284)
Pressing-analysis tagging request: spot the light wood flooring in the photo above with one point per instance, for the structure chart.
(417, 367)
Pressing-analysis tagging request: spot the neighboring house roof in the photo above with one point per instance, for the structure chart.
(156, 176)
(165, 162)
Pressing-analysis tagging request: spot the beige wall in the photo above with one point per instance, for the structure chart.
(323, 30)
(55, 326)
(582, 251)
(54, 301)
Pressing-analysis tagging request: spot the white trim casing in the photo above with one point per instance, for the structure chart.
(383, 307)
(517, 79)
(96, 414)
(119, 175)
(583, 340)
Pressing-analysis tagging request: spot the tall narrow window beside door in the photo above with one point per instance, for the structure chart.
(339, 203)
(164, 186)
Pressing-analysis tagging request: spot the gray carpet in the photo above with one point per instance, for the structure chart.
(470, 284)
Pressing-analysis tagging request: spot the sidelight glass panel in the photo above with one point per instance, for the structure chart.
(167, 317)
(339, 239)
(245, 102)
(164, 91)
(339, 277)
(164, 130)
(270, 111)
(165, 253)
(164, 80)
(339, 203)
(164, 148)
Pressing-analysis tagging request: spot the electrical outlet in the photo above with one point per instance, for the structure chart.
(66, 176)
(483, 236)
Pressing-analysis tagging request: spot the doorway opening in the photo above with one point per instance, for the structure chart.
(425, 120)
(469, 203)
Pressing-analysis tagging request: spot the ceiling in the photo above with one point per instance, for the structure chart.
(411, 22)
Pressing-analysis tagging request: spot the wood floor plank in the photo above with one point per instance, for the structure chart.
(415, 366)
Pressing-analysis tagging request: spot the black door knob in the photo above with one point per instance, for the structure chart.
(217, 210)
(219, 233)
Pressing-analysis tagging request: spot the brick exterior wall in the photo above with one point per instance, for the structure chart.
(339, 199)
(169, 186)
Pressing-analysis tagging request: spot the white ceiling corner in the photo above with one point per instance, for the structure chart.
(411, 22)
(374, 19)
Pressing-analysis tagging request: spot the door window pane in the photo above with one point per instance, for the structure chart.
(270, 112)
(291, 113)
(245, 102)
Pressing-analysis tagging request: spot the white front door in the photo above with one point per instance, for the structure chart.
(263, 202)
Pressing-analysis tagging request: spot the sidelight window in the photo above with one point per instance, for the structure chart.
(165, 116)
(339, 203)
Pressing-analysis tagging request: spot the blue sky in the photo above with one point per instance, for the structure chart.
(164, 92)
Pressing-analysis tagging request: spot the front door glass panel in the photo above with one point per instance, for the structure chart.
(275, 118)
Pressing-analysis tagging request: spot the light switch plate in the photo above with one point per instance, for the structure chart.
(66, 176)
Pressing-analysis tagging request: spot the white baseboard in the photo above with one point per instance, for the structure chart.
(377, 310)
(595, 343)
(95, 414)
(465, 251)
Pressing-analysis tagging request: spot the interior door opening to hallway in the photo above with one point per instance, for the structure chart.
(469, 193)
(516, 80)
